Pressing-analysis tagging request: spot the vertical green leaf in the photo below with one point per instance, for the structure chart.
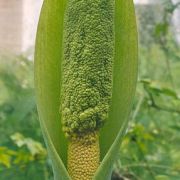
(48, 56)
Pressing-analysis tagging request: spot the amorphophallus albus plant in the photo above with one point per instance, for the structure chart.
(85, 78)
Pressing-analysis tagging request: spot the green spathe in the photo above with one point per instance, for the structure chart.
(48, 61)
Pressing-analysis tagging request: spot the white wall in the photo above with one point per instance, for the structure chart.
(141, 1)
(10, 25)
(176, 22)
(31, 11)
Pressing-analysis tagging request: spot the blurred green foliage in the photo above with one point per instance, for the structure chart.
(22, 152)
(150, 150)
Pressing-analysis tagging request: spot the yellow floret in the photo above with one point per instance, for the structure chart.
(83, 157)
